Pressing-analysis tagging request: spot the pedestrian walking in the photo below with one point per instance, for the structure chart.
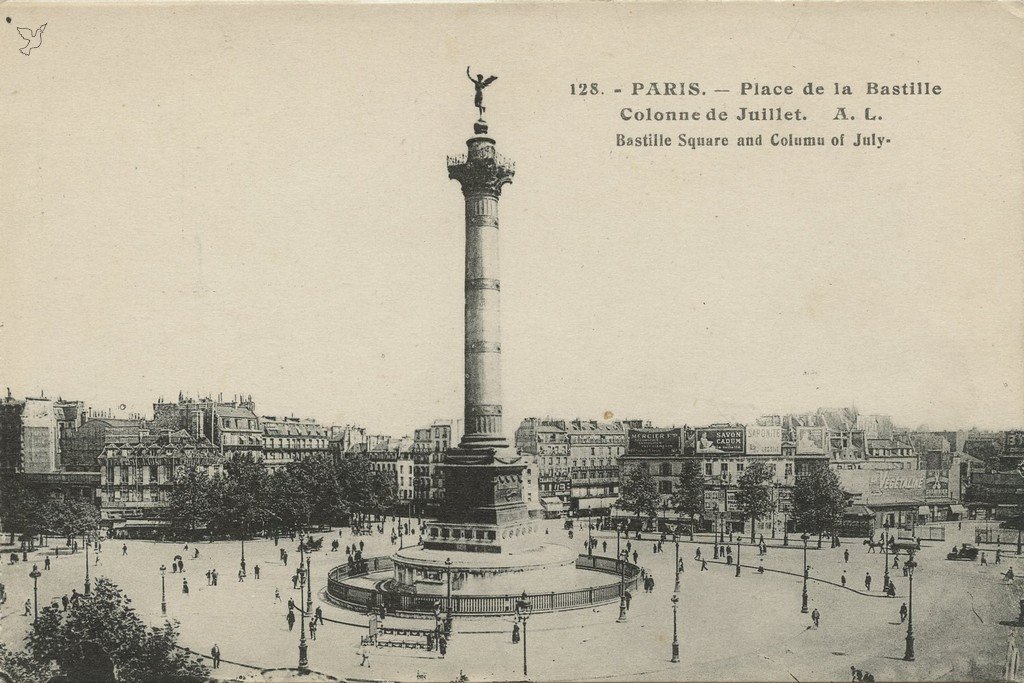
(846, 555)
(46, 563)
(318, 615)
(285, 556)
(215, 577)
(364, 652)
(816, 617)
(241, 576)
(28, 607)
(295, 580)
(629, 598)
(604, 546)
(895, 563)
(124, 549)
(842, 579)
(215, 655)
(184, 586)
(515, 634)
(256, 571)
(290, 619)
(65, 602)
(442, 645)
(312, 630)
(999, 555)
(867, 581)
(196, 555)
(696, 555)
(277, 595)
(209, 577)
(983, 560)
(635, 556)
(903, 612)
(703, 565)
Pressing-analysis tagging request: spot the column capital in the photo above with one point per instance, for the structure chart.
(481, 171)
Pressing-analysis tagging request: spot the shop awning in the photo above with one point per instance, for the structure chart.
(923, 510)
(141, 523)
(595, 503)
(552, 503)
(858, 511)
(957, 509)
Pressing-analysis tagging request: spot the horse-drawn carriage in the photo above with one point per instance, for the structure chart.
(966, 552)
(312, 544)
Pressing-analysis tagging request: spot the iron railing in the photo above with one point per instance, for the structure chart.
(363, 598)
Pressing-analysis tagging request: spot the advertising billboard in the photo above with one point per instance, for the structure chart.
(936, 484)
(810, 440)
(912, 481)
(764, 440)
(655, 442)
(721, 440)
(1014, 443)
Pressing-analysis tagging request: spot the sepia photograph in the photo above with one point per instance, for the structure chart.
(503, 341)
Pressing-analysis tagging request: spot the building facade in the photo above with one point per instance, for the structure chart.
(292, 439)
(136, 479)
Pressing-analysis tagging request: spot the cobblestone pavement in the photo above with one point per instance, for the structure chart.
(730, 628)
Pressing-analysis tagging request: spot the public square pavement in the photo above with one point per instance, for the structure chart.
(730, 628)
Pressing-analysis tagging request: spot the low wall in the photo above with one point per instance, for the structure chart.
(364, 599)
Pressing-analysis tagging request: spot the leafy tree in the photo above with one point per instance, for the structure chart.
(20, 666)
(754, 494)
(688, 498)
(639, 492)
(191, 503)
(105, 622)
(818, 502)
(241, 499)
(69, 517)
(23, 510)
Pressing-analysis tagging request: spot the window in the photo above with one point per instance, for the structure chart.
(709, 469)
(739, 468)
(664, 486)
(725, 468)
(789, 469)
(666, 469)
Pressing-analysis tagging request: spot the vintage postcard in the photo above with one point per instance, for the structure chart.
(544, 341)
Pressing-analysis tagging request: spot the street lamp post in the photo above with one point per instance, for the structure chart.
(448, 565)
(737, 557)
(163, 589)
(803, 602)
(676, 539)
(885, 548)
(590, 537)
(85, 541)
(714, 535)
(303, 648)
(523, 610)
(309, 588)
(34, 575)
(622, 587)
(675, 631)
(908, 655)
(785, 528)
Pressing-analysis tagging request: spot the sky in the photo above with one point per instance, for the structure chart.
(254, 199)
